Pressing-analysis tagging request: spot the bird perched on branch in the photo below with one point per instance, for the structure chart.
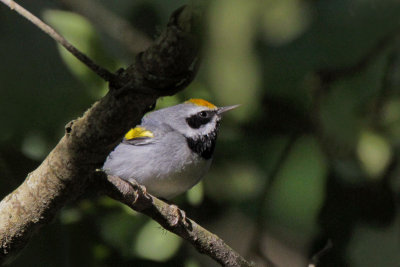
(171, 150)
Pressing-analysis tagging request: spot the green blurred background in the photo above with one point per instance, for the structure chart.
(311, 155)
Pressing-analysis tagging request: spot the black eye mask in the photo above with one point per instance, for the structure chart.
(200, 118)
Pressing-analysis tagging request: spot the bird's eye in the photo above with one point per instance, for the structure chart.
(201, 118)
(203, 114)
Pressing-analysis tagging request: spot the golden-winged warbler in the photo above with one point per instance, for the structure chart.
(171, 150)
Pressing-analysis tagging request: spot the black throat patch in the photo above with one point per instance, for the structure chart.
(203, 145)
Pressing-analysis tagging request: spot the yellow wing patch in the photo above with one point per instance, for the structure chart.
(138, 132)
(201, 102)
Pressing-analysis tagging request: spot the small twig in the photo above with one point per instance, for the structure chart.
(317, 256)
(102, 72)
(168, 216)
(116, 27)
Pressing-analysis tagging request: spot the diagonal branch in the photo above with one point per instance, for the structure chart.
(64, 174)
(102, 72)
(172, 219)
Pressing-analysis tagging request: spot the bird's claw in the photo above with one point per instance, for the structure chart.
(141, 189)
(179, 216)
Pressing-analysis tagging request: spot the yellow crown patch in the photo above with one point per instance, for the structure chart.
(201, 102)
(138, 132)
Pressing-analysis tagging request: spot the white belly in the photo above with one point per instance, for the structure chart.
(164, 172)
(173, 183)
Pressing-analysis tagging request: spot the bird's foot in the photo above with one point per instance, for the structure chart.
(179, 216)
(140, 189)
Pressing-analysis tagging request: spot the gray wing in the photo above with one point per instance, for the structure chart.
(139, 141)
(158, 129)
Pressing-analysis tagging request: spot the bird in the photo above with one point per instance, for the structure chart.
(171, 150)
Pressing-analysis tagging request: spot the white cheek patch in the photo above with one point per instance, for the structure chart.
(204, 129)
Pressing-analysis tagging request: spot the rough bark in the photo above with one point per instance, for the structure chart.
(163, 69)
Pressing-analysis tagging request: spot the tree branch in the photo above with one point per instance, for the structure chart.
(102, 72)
(161, 70)
(171, 218)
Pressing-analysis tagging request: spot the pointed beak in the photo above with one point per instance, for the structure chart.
(225, 109)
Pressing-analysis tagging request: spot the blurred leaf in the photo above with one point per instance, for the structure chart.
(108, 202)
(374, 153)
(196, 194)
(231, 62)
(371, 246)
(119, 230)
(35, 146)
(238, 181)
(346, 104)
(78, 31)
(284, 20)
(167, 101)
(192, 263)
(298, 191)
(101, 252)
(70, 215)
(155, 243)
(197, 89)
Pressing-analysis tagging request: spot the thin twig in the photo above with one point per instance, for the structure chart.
(317, 256)
(102, 72)
(171, 218)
